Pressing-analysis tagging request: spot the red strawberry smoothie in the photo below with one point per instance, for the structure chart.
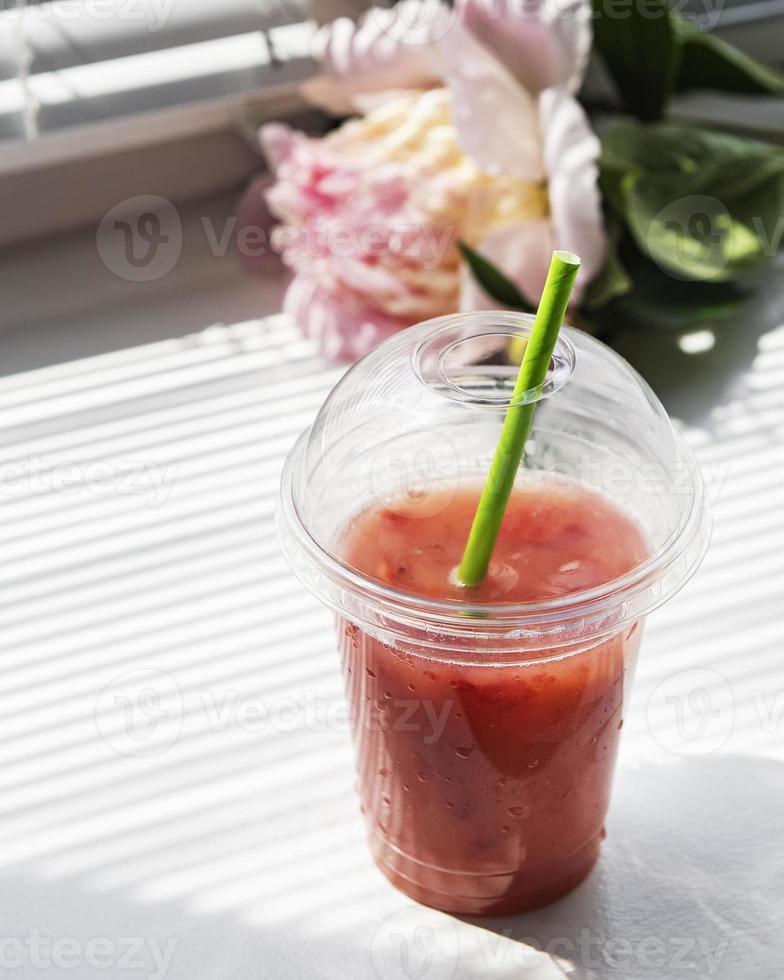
(485, 784)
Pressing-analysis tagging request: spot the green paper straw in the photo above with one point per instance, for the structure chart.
(517, 423)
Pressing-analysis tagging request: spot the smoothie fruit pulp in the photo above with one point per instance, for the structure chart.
(485, 785)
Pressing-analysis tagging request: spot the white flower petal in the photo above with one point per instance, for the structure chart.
(389, 50)
(543, 43)
(496, 119)
(571, 153)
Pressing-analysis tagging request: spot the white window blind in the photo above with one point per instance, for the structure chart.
(72, 63)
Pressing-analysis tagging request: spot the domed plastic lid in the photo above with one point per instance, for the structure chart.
(425, 407)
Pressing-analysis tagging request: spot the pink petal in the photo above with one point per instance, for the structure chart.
(496, 119)
(571, 152)
(343, 328)
(253, 231)
(522, 252)
(389, 50)
(543, 43)
(278, 142)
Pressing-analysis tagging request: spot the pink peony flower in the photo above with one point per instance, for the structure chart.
(371, 215)
(503, 159)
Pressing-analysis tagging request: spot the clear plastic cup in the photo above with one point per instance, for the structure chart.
(486, 734)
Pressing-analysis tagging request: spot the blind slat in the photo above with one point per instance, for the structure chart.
(61, 35)
(142, 85)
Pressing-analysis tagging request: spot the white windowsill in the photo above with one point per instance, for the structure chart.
(239, 845)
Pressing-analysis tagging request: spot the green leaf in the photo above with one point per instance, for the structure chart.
(709, 62)
(637, 43)
(702, 205)
(632, 312)
(659, 302)
(493, 281)
(651, 52)
(613, 280)
(638, 311)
